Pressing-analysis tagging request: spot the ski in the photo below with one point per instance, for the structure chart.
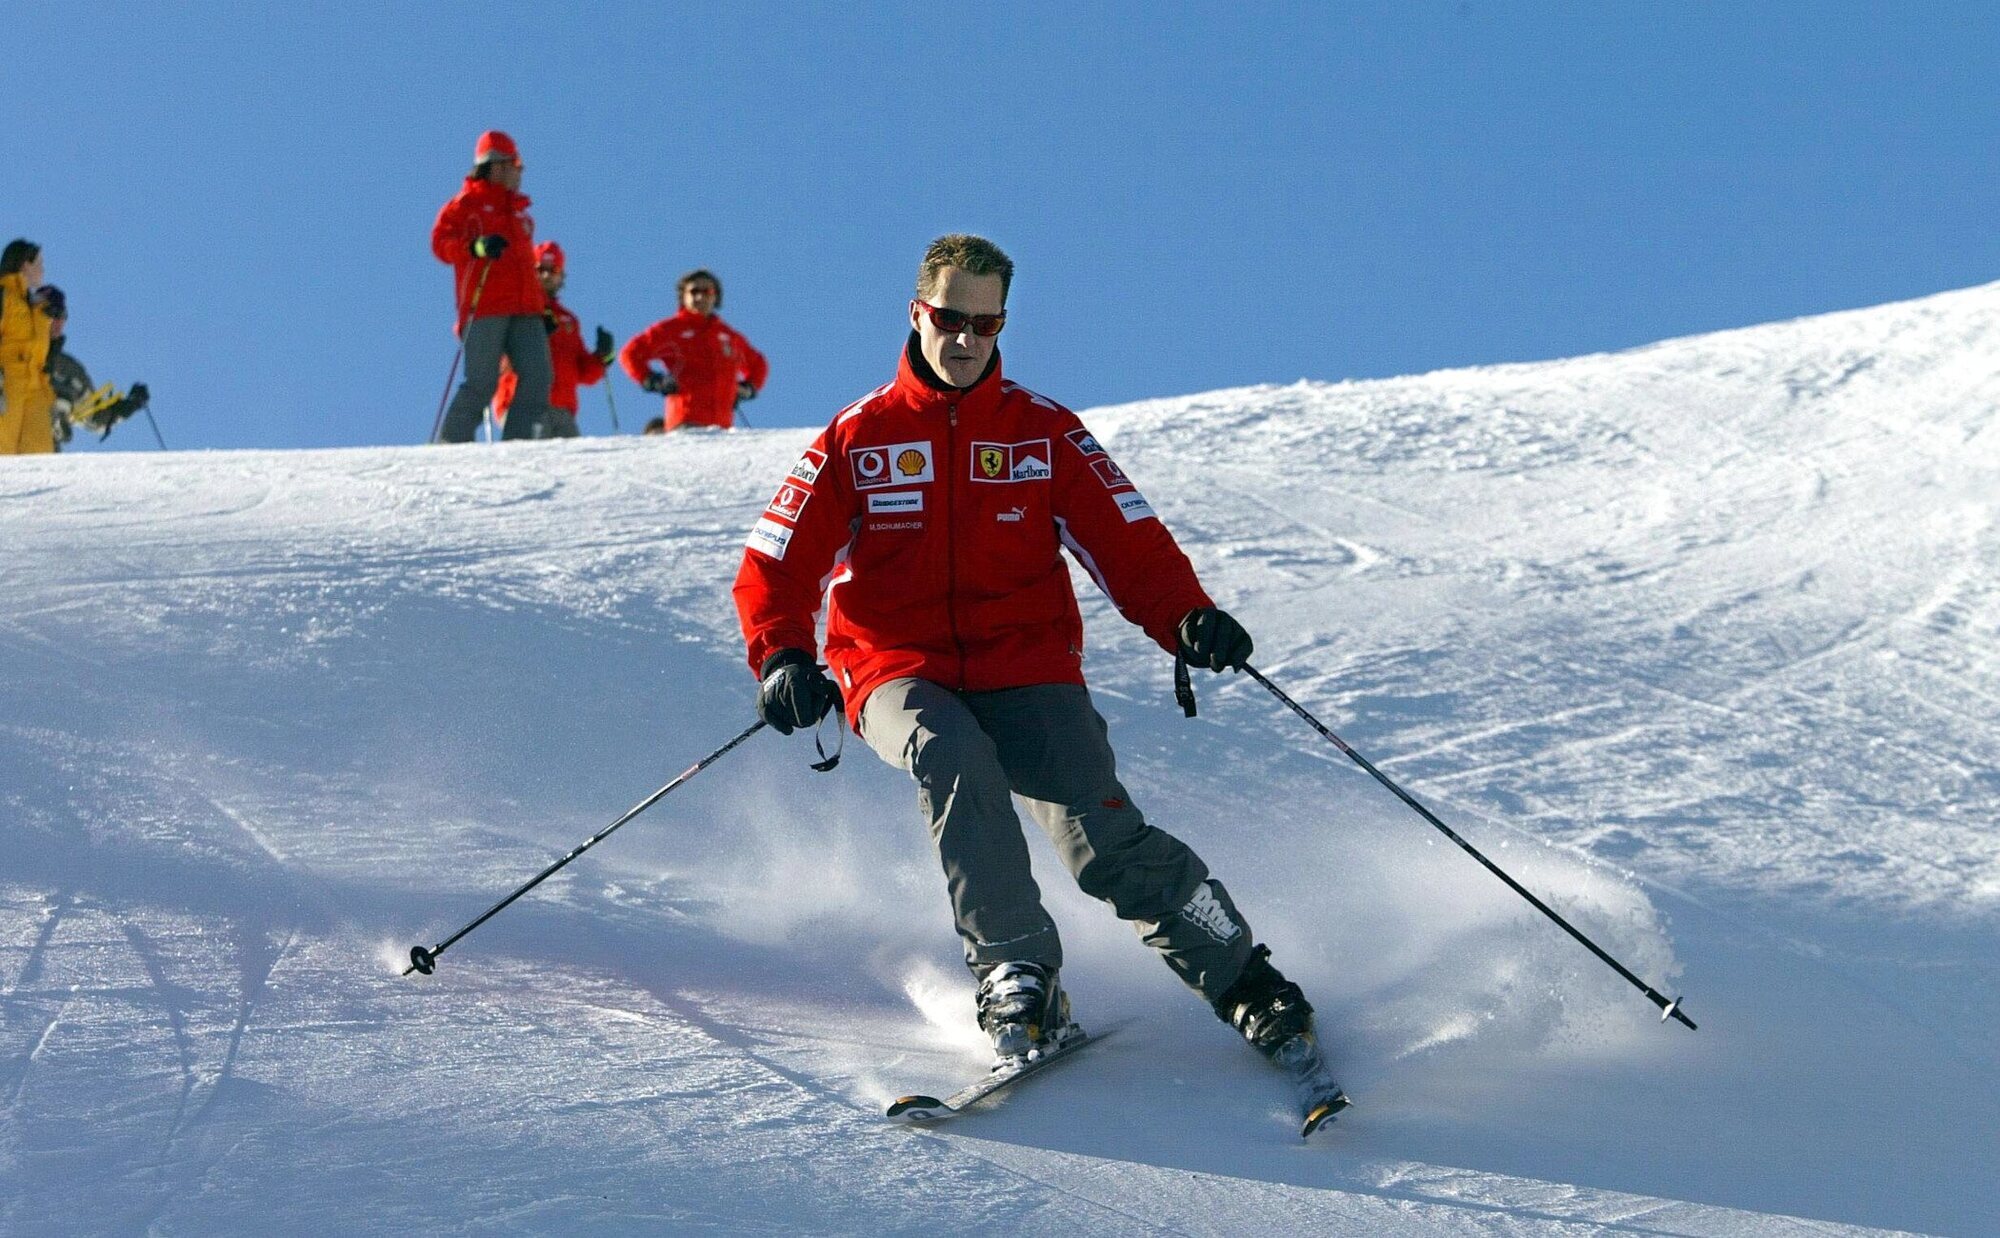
(1320, 1097)
(1003, 1075)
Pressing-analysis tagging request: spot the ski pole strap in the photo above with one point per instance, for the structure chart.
(1183, 686)
(825, 762)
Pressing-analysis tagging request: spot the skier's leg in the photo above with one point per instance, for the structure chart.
(927, 730)
(561, 423)
(485, 340)
(1058, 758)
(528, 353)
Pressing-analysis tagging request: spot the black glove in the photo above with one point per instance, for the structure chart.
(605, 350)
(550, 323)
(795, 693)
(1210, 638)
(490, 246)
(659, 384)
(744, 391)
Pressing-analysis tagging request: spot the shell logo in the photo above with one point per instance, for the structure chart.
(910, 463)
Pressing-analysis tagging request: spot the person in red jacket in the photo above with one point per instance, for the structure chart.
(930, 517)
(710, 367)
(487, 236)
(570, 361)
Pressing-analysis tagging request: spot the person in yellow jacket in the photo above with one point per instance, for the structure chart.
(25, 427)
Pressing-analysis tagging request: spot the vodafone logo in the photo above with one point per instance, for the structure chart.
(790, 502)
(900, 464)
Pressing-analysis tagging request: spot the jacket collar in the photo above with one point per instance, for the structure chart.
(514, 198)
(926, 392)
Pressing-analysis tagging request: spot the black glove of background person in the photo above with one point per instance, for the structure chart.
(659, 384)
(744, 391)
(490, 246)
(795, 693)
(1210, 638)
(605, 350)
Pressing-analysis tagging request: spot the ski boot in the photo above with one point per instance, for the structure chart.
(1272, 1013)
(1023, 1008)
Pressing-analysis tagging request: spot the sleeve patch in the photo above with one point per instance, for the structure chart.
(1110, 474)
(1135, 507)
(1085, 442)
(809, 465)
(790, 501)
(772, 538)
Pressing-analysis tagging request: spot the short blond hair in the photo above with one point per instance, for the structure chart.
(975, 255)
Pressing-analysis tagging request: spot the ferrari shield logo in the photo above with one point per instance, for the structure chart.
(992, 461)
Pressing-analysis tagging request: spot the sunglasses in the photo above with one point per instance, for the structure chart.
(951, 321)
(701, 290)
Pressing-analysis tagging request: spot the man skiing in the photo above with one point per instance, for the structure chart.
(570, 361)
(487, 236)
(710, 367)
(931, 516)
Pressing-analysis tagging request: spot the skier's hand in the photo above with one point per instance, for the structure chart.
(491, 245)
(659, 384)
(745, 392)
(550, 323)
(606, 348)
(1210, 637)
(796, 692)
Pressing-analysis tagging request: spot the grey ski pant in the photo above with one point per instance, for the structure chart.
(1047, 744)
(524, 339)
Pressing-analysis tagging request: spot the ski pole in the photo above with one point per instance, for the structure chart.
(425, 961)
(156, 430)
(1668, 1008)
(610, 402)
(437, 424)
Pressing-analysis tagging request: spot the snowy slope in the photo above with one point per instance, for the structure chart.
(1697, 640)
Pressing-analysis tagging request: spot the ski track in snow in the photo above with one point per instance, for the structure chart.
(1697, 641)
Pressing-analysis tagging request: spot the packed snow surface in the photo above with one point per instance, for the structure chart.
(1697, 641)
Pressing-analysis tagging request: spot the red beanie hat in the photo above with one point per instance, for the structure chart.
(494, 144)
(549, 254)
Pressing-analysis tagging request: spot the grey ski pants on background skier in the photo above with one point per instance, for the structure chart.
(524, 338)
(1047, 744)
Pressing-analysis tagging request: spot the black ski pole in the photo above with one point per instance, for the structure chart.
(156, 429)
(1669, 1008)
(437, 423)
(425, 961)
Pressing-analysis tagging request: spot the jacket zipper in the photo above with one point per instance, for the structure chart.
(945, 482)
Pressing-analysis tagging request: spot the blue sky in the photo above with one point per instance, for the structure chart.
(237, 198)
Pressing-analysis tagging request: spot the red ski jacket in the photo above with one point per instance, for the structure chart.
(707, 358)
(570, 363)
(483, 208)
(932, 521)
